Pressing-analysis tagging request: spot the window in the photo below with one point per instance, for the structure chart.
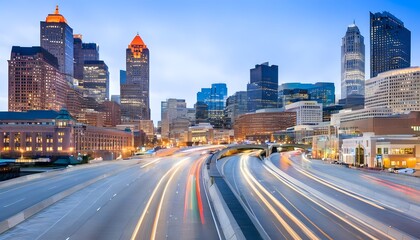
(379, 151)
(385, 150)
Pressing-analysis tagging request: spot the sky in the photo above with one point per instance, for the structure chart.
(194, 43)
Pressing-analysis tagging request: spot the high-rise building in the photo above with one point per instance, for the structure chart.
(236, 105)
(201, 112)
(172, 109)
(57, 38)
(390, 43)
(123, 77)
(262, 91)
(96, 80)
(216, 104)
(352, 62)
(135, 90)
(90, 51)
(397, 90)
(83, 52)
(215, 99)
(35, 82)
(78, 57)
(322, 92)
(204, 95)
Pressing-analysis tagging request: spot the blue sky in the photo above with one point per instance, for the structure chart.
(196, 43)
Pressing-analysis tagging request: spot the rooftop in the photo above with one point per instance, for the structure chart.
(56, 17)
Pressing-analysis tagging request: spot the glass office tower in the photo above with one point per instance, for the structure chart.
(262, 91)
(352, 62)
(390, 43)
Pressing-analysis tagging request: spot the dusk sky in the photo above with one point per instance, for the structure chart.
(196, 43)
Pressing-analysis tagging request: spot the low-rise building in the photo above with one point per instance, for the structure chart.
(47, 133)
(382, 151)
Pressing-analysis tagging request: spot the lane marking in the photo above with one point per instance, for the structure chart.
(155, 223)
(149, 202)
(147, 164)
(252, 181)
(20, 200)
(277, 175)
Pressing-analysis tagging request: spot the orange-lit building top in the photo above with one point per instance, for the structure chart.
(136, 46)
(56, 17)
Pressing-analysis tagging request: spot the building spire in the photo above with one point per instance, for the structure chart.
(56, 10)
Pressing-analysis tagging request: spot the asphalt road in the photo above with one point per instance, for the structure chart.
(16, 198)
(160, 198)
(288, 204)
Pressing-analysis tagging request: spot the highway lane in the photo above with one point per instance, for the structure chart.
(155, 192)
(371, 205)
(283, 210)
(16, 198)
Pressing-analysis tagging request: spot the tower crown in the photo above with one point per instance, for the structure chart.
(136, 46)
(56, 17)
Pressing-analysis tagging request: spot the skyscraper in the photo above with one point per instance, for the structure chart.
(83, 52)
(78, 57)
(262, 91)
(390, 43)
(216, 104)
(352, 62)
(96, 80)
(135, 90)
(172, 109)
(57, 38)
(34, 80)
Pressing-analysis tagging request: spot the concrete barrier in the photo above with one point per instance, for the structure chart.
(53, 172)
(230, 227)
(27, 213)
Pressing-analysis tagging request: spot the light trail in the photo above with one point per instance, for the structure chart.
(250, 179)
(326, 209)
(338, 189)
(193, 192)
(155, 223)
(141, 219)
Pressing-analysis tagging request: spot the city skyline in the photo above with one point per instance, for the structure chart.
(193, 48)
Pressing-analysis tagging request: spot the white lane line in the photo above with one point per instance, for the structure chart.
(147, 164)
(52, 187)
(8, 205)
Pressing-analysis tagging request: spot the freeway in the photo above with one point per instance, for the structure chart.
(288, 204)
(16, 198)
(160, 198)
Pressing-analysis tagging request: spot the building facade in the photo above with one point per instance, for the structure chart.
(382, 151)
(171, 109)
(397, 90)
(236, 105)
(52, 134)
(262, 90)
(352, 62)
(35, 82)
(135, 90)
(57, 38)
(307, 112)
(390, 43)
(96, 80)
(112, 113)
(216, 104)
(322, 92)
(262, 123)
